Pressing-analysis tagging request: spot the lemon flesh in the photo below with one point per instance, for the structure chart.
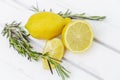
(55, 48)
(45, 25)
(77, 36)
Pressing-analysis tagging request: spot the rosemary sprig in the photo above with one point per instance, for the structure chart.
(19, 40)
(68, 14)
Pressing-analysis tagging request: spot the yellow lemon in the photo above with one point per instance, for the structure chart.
(77, 36)
(55, 49)
(45, 25)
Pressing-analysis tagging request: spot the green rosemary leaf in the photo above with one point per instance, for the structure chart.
(50, 66)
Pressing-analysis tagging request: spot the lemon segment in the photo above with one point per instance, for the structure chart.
(55, 48)
(77, 36)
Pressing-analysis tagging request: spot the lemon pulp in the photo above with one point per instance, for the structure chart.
(77, 36)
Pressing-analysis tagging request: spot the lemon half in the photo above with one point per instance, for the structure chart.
(77, 36)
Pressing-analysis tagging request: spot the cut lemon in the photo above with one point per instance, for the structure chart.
(77, 36)
(55, 48)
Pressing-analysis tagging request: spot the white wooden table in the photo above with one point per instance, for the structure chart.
(100, 62)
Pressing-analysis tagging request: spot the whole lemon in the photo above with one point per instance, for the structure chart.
(46, 25)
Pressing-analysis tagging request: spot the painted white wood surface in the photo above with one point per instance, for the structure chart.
(99, 59)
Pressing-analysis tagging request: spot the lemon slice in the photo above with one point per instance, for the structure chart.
(77, 36)
(55, 48)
